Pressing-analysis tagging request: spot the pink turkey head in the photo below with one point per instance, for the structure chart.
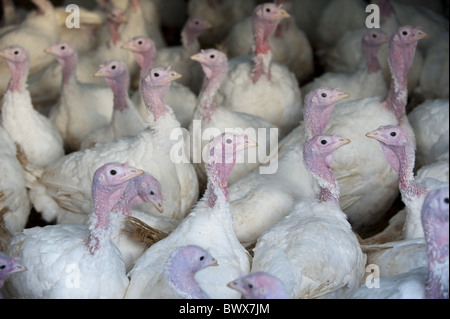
(259, 285)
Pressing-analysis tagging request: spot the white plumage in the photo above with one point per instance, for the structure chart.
(208, 225)
(15, 205)
(33, 132)
(64, 186)
(313, 250)
(258, 85)
(81, 107)
(75, 261)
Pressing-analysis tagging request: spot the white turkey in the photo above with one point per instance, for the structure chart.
(368, 191)
(81, 107)
(126, 120)
(289, 44)
(313, 250)
(260, 199)
(367, 81)
(432, 280)
(15, 204)
(33, 132)
(212, 119)
(178, 57)
(222, 14)
(257, 85)
(179, 97)
(182, 266)
(76, 261)
(8, 266)
(209, 225)
(62, 189)
(259, 285)
(37, 32)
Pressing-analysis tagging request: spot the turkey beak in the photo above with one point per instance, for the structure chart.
(284, 14)
(250, 143)
(373, 134)
(4, 54)
(158, 205)
(174, 76)
(343, 141)
(48, 50)
(100, 73)
(213, 262)
(341, 96)
(126, 46)
(18, 267)
(197, 57)
(132, 173)
(420, 35)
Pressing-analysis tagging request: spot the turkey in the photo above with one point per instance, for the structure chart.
(81, 107)
(63, 188)
(289, 44)
(314, 225)
(367, 81)
(257, 85)
(15, 204)
(222, 14)
(209, 225)
(432, 280)
(368, 191)
(126, 120)
(33, 132)
(398, 147)
(106, 51)
(266, 197)
(38, 31)
(142, 189)
(178, 57)
(211, 119)
(8, 266)
(259, 285)
(179, 97)
(75, 261)
(181, 268)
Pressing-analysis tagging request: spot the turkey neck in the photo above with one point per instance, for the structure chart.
(437, 250)
(262, 55)
(183, 280)
(69, 66)
(103, 202)
(19, 75)
(218, 171)
(370, 54)
(145, 59)
(400, 60)
(207, 100)
(316, 118)
(114, 31)
(189, 39)
(320, 168)
(401, 159)
(119, 87)
(154, 100)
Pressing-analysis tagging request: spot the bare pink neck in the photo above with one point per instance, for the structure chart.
(19, 75)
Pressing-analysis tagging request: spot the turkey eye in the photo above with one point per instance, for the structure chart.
(156, 74)
(405, 33)
(374, 35)
(2, 267)
(196, 22)
(229, 141)
(63, 48)
(393, 134)
(446, 200)
(268, 10)
(152, 193)
(140, 42)
(202, 257)
(324, 95)
(250, 286)
(324, 142)
(212, 56)
(113, 67)
(16, 52)
(113, 172)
